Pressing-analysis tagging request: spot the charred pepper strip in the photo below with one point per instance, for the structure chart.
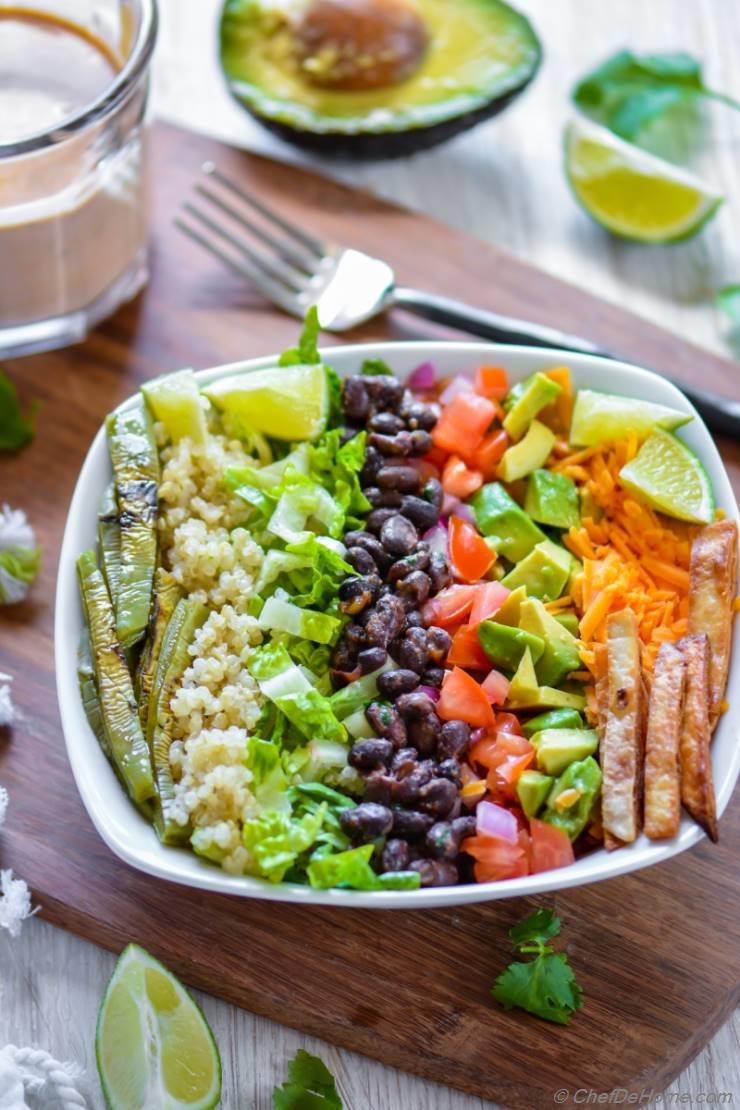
(109, 541)
(188, 616)
(89, 691)
(135, 461)
(167, 593)
(114, 686)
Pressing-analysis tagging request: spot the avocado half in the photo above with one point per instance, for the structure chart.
(480, 54)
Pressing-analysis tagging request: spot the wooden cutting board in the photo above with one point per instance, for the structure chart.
(658, 953)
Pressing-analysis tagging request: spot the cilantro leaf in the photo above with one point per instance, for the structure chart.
(15, 429)
(538, 928)
(545, 987)
(310, 1086)
(628, 91)
(728, 299)
(307, 351)
(376, 367)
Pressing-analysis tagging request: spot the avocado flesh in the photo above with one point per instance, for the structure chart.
(535, 394)
(583, 776)
(552, 499)
(505, 645)
(553, 718)
(511, 533)
(481, 53)
(559, 656)
(558, 747)
(528, 454)
(544, 572)
(532, 789)
(569, 621)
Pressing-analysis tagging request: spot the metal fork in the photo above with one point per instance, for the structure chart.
(295, 270)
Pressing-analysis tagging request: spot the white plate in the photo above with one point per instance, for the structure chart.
(129, 835)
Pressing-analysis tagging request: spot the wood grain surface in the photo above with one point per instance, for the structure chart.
(658, 954)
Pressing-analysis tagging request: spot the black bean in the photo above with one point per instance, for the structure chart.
(438, 797)
(377, 518)
(433, 493)
(396, 855)
(413, 652)
(344, 656)
(366, 821)
(386, 721)
(384, 392)
(370, 659)
(410, 824)
(439, 571)
(415, 588)
(355, 594)
(421, 442)
(379, 787)
(466, 826)
(361, 560)
(367, 754)
(398, 535)
(414, 620)
(435, 872)
(355, 399)
(398, 445)
(417, 560)
(424, 732)
(418, 415)
(383, 498)
(450, 769)
(419, 512)
(433, 676)
(413, 707)
(400, 479)
(439, 643)
(371, 466)
(393, 683)
(346, 435)
(453, 740)
(354, 634)
(373, 547)
(385, 621)
(404, 761)
(408, 787)
(443, 840)
(387, 423)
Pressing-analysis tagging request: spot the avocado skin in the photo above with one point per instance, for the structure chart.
(377, 146)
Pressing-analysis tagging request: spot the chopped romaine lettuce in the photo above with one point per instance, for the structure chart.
(359, 693)
(283, 682)
(279, 615)
(352, 869)
(275, 840)
(307, 351)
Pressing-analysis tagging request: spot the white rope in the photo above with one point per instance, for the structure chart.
(56, 1081)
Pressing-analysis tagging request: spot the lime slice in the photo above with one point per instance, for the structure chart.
(176, 401)
(668, 476)
(600, 416)
(285, 402)
(153, 1045)
(633, 193)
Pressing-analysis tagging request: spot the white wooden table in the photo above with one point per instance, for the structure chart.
(504, 183)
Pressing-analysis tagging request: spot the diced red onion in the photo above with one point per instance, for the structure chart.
(478, 734)
(431, 692)
(459, 384)
(493, 820)
(436, 537)
(453, 506)
(422, 377)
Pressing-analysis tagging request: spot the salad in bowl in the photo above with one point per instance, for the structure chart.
(416, 625)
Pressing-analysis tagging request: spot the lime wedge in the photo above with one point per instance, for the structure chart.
(632, 193)
(668, 476)
(176, 401)
(153, 1045)
(600, 416)
(285, 402)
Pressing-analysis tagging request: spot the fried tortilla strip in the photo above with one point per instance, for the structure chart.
(697, 787)
(622, 745)
(662, 776)
(713, 574)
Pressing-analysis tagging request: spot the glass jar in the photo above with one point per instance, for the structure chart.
(73, 211)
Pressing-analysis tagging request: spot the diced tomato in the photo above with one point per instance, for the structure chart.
(462, 699)
(489, 598)
(449, 607)
(470, 555)
(511, 768)
(496, 687)
(549, 847)
(425, 468)
(497, 858)
(489, 453)
(463, 423)
(459, 480)
(491, 382)
(508, 722)
(466, 650)
(437, 457)
(495, 748)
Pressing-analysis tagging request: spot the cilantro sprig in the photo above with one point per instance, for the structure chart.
(310, 1086)
(546, 985)
(16, 430)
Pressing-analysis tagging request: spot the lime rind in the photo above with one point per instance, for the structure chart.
(668, 476)
(601, 416)
(129, 974)
(176, 401)
(284, 402)
(649, 200)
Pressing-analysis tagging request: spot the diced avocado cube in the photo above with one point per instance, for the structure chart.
(589, 508)
(505, 645)
(553, 718)
(505, 525)
(538, 392)
(584, 778)
(549, 697)
(509, 611)
(528, 454)
(544, 572)
(523, 690)
(552, 499)
(557, 747)
(569, 621)
(560, 655)
(532, 789)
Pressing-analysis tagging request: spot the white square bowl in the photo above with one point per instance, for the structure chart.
(127, 833)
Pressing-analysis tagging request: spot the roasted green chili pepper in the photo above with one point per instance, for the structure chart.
(109, 541)
(167, 593)
(89, 691)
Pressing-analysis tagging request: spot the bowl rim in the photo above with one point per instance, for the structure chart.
(181, 865)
